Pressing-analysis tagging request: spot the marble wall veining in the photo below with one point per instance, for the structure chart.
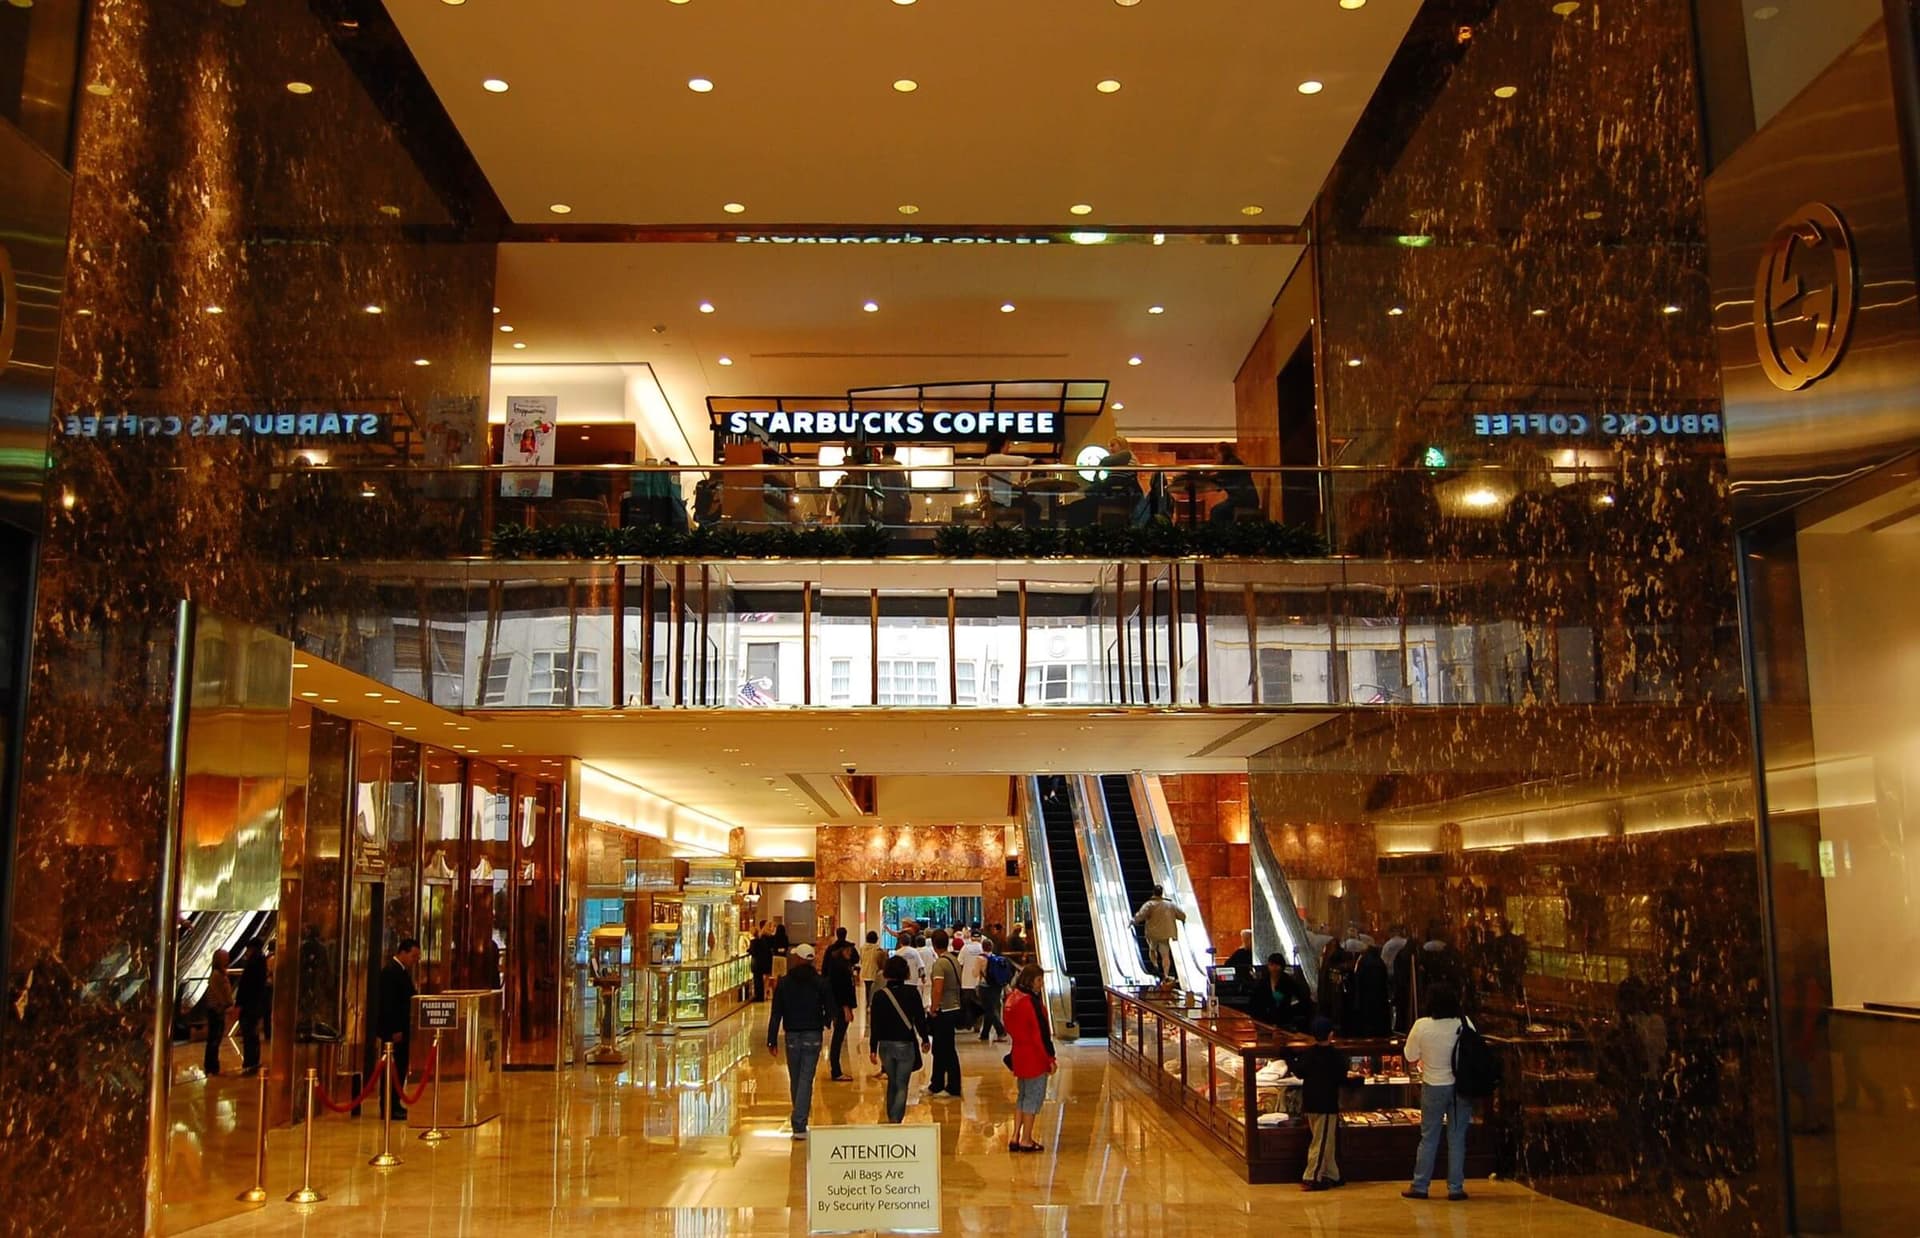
(1518, 227)
(228, 235)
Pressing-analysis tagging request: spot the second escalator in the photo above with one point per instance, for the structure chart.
(1078, 946)
(1136, 871)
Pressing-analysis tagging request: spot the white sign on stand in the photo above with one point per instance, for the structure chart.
(873, 1179)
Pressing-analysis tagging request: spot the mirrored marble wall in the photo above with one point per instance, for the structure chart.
(1511, 271)
(242, 200)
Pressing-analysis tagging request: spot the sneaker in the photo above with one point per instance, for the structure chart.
(1410, 1193)
(798, 1136)
(1456, 1196)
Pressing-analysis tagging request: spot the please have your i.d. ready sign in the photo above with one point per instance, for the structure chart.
(873, 1179)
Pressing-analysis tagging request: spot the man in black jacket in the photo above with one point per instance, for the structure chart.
(1323, 1072)
(392, 1015)
(255, 997)
(839, 963)
(802, 1002)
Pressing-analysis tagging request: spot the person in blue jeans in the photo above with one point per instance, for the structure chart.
(1430, 1045)
(803, 1003)
(896, 1020)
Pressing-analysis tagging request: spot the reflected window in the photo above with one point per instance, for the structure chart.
(909, 681)
(499, 671)
(840, 681)
(1276, 676)
(964, 685)
(1062, 683)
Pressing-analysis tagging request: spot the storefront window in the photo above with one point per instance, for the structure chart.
(1836, 669)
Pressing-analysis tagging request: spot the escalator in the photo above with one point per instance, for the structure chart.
(1136, 870)
(1079, 949)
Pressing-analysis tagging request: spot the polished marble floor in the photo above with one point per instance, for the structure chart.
(690, 1140)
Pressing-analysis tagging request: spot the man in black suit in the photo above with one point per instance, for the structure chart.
(256, 998)
(394, 1012)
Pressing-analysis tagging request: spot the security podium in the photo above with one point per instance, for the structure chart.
(471, 1054)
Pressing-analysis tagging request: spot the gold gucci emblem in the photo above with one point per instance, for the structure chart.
(1803, 298)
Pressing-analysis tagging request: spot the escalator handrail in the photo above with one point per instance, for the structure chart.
(1191, 955)
(1048, 947)
(1107, 901)
(1269, 880)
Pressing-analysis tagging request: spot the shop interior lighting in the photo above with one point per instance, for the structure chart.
(1007, 307)
(1134, 361)
(519, 343)
(496, 309)
(1156, 309)
(905, 85)
(726, 361)
(734, 208)
(1118, 407)
(1080, 208)
(506, 328)
(706, 307)
(1107, 86)
(700, 85)
(908, 208)
(872, 307)
(494, 86)
(560, 208)
(1087, 238)
(1311, 87)
(1353, 4)
(1252, 209)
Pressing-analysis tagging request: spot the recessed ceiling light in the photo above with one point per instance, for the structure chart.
(1252, 209)
(1505, 92)
(908, 208)
(1538, 313)
(495, 86)
(1156, 309)
(519, 343)
(507, 328)
(1133, 361)
(1311, 87)
(1669, 309)
(905, 85)
(1126, 4)
(726, 361)
(421, 361)
(1353, 361)
(309, 694)
(733, 208)
(700, 85)
(706, 307)
(1007, 307)
(560, 208)
(1118, 406)
(374, 309)
(453, 3)
(299, 88)
(1353, 4)
(1080, 208)
(496, 309)
(1108, 86)
(903, 3)
(374, 695)
(329, 700)
(872, 307)
(1396, 311)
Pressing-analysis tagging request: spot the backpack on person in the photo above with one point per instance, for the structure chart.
(1476, 1063)
(1001, 971)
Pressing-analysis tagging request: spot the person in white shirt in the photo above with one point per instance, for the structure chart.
(973, 963)
(1430, 1045)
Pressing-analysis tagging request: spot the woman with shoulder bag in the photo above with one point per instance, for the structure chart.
(897, 1033)
(1032, 1058)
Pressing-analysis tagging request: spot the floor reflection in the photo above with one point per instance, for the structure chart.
(689, 1139)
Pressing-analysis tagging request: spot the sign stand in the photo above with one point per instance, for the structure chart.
(873, 1179)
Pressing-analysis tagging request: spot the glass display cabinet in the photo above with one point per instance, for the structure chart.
(1237, 1080)
(696, 960)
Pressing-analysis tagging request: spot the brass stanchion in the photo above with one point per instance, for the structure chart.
(306, 1194)
(257, 1193)
(385, 1159)
(433, 1133)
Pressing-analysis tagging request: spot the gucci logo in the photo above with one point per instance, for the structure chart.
(1803, 297)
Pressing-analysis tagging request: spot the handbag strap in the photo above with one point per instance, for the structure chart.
(904, 1020)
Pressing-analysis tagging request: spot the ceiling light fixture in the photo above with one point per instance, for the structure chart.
(299, 88)
(374, 309)
(1134, 361)
(506, 328)
(726, 361)
(1353, 362)
(733, 208)
(1156, 309)
(495, 86)
(1108, 86)
(1252, 209)
(1396, 311)
(1353, 4)
(1538, 313)
(1669, 309)
(1505, 92)
(215, 309)
(872, 307)
(908, 208)
(905, 85)
(1567, 8)
(560, 208)
(1118, 407)
(700, 85)
(519, 344)
(1007, 307)
(421, 361)
(1311, 87)
(496, 309)
(1080, 208)
(706, 307)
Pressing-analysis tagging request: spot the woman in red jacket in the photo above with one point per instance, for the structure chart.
(1032, 1057)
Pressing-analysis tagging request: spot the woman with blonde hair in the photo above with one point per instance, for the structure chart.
(1032, 1058)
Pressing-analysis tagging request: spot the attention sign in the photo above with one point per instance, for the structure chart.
(873, 1179)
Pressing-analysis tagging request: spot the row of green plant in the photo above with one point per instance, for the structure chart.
(1161, 539)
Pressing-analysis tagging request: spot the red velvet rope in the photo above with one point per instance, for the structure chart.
(373, 1086)
(426, 1077)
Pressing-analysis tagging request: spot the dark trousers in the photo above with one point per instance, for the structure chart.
(839, 1039)
(759, 986)
(250, 1038)
(991, 998)
(216, 1032)
(946, 1056)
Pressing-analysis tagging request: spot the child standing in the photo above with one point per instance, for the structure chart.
(1323, 1071)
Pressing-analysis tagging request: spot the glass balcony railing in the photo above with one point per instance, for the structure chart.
(615, 587)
